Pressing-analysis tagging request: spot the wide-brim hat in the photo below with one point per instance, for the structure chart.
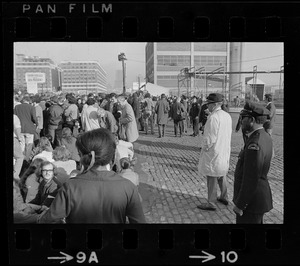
(214, 98)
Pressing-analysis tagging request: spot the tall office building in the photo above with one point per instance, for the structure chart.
(83, 77)
(34, 64)
(165, 64)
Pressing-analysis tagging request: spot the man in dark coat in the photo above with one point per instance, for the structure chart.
(195, 114)
(29, 124)
(252, 194)
(204, 112)
(162, 110)
(55, 120)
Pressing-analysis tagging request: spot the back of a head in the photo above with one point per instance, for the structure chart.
(101, 142)
(90, 101)
(44, 143)
(61, 153)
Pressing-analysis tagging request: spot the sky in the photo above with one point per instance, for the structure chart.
(266, 56)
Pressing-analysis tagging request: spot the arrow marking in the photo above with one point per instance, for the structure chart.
(66, 257)
(208, 257)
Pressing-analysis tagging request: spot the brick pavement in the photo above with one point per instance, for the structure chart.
(171, 187)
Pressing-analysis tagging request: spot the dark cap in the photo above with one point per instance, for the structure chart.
(214, 98)
(254, 110)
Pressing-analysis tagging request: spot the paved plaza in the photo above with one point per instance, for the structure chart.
(171, 187)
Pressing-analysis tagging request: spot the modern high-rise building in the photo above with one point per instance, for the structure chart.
(83, 77)
(181, 66)
(34, 64)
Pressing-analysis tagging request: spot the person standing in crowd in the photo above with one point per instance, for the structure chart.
(107, 120)
(27, 115)
(18, 153)
(136, 107)
(185, 122)
(127, 120)
(148, 113)
(55, 119)
(252, 195)
(78, 199)
(46, 117)
(239, 125)
(215, 153)
(178, 116)
(71, 113)
(269, 124)
(194, 115)
(162, 109)
(89, 116)
(204, 112)
(39, 116)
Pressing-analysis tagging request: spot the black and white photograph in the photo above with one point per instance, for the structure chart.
(148, 132)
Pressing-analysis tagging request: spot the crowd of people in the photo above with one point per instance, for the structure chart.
(74, 155)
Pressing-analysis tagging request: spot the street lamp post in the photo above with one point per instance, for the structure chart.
(122, 57)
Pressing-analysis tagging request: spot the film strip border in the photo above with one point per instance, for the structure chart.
(152, 21)
(161, 244)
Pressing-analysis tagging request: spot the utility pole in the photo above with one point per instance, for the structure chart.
(121, 57)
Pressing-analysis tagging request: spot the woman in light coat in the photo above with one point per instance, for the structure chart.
(127, 120)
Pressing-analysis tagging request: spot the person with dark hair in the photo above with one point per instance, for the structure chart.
(97, 194)
(252, 194)
(162, 110)
(89, 116)
(29, 182)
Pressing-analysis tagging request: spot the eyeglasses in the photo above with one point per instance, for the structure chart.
(48, 171)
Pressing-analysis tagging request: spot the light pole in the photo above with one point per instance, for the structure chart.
(122, 57)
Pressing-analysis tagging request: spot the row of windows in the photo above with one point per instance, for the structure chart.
(209, 60)
(166, 77)
(173, 60)
(183, 60)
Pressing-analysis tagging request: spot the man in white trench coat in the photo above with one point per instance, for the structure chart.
(215, 153)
